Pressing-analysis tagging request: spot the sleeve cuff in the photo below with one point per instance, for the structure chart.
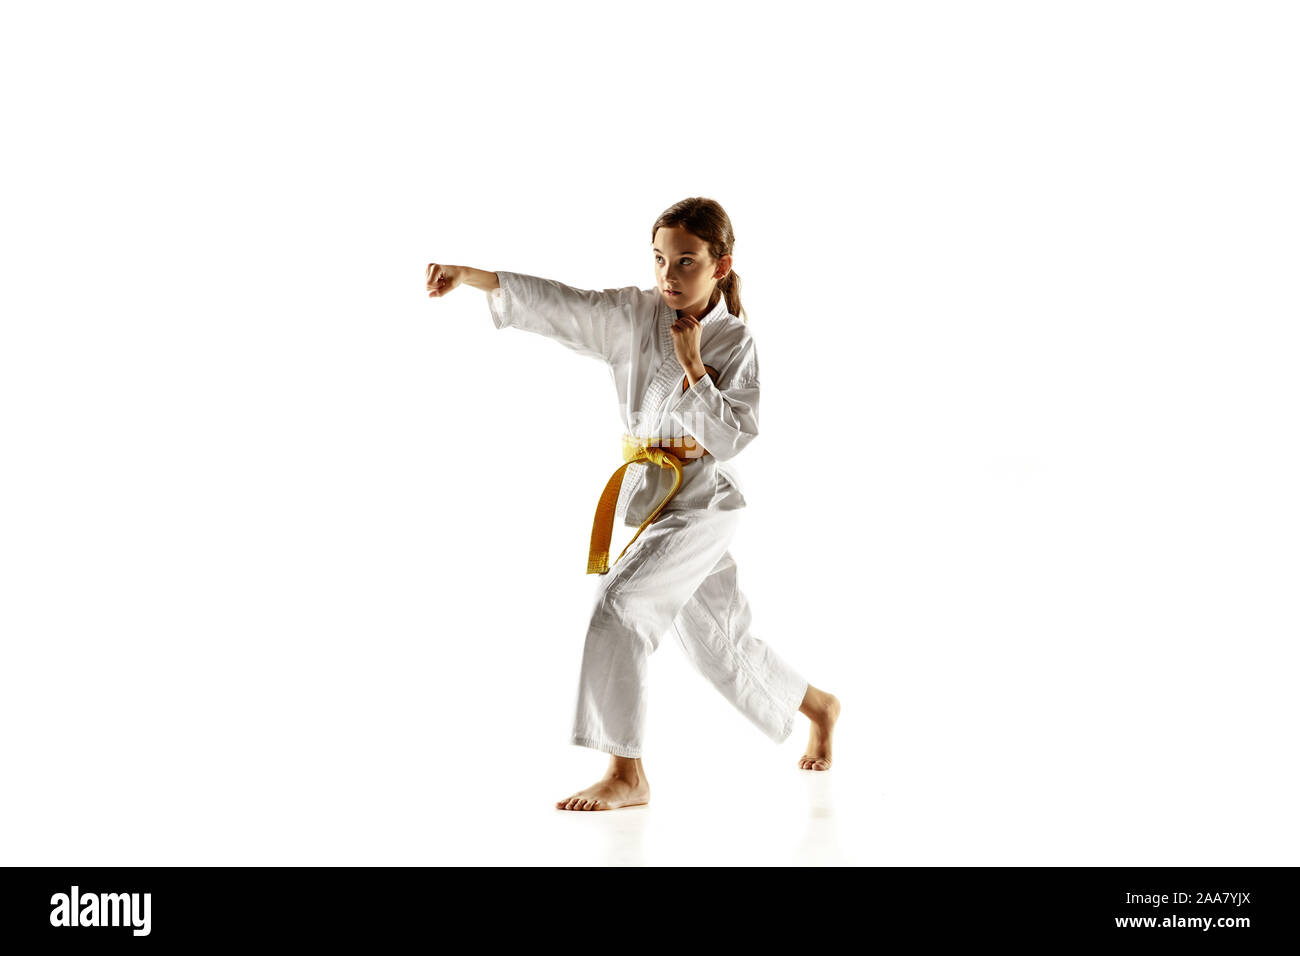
(499, 306)
(692, 400)
(702, 384)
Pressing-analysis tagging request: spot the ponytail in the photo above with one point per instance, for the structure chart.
(730, 286)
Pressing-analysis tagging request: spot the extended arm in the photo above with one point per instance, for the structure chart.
(595, 324)
(479, 278)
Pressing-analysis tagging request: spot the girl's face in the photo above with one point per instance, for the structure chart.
(687, 274)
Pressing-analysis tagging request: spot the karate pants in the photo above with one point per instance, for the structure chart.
(677, 575)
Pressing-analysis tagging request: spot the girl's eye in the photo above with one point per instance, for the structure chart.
(684, 261)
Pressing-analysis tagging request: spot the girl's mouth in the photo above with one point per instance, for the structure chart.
(670, 292)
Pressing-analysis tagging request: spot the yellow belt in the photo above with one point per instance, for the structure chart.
(666, 453)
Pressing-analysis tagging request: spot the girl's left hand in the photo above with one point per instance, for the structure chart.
(686, 341)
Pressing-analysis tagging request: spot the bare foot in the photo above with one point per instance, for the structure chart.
(822, 710)
(624, 785)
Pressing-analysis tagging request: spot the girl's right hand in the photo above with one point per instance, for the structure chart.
(442, 279)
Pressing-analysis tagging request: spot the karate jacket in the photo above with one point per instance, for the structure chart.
(629, 329)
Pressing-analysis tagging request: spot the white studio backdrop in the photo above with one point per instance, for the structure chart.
(293, 555)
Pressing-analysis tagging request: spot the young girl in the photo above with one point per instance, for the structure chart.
(686, 371)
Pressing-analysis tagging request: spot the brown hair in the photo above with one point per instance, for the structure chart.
(707, 221)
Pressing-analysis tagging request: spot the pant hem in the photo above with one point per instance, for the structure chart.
(789, 721)
(596, 743)
(786, 731)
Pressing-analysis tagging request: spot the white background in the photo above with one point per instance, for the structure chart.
(293, 555)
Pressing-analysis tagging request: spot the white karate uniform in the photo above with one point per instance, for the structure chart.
(678, 573)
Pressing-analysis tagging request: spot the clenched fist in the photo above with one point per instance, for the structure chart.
(686, 342)
(442, 279)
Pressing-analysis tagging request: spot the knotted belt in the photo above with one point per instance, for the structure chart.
(666, 453)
